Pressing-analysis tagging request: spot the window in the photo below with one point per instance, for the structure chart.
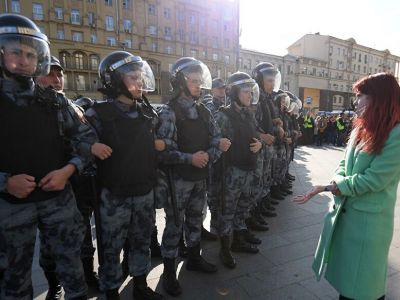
(359, 57)
(181, 16)
(128, 43)
(60, 34)
(80, 83)
(126, 4)
(78, 58)
(38, 11)
(365, 59)
(77, 36)
(214, 42)
(181, 34)
(152, 9)
(65, 81)
(154, 47)
(204, 53)
(226, 26)
(91, 1)
(227, 59)
(92, 19)
(109, 23)
(194, 52)
(58, 12)
(192, 19)
(15, 6)
(152, 30)
(193, 37)
(167, 13)
(168, 33)
(215, 56)
(75, 17)
(359, 68)
(168, 50)
(127, 25)
(226, 43)
(64, 58)
(111, 41)
(93, 38)
(94, 62)
(108, 2)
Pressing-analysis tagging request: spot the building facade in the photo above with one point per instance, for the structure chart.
(328, 67)
(82, 32)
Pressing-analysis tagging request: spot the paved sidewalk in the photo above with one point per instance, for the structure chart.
(282, 269)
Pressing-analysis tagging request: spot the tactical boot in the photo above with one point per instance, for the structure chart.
(54, 292)
(253, 224)
(112, 294)
(240, 245)
(251, 238)
(170, 283)
(196, 262)
(208, 236)
(142, 292)
(225, 253)
(275, 193)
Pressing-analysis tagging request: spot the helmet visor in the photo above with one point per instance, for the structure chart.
(24, 55)
(198, 74)
(251, 89)
(273, 76)
(140, 73)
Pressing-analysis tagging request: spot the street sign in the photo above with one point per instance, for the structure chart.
(308, 100)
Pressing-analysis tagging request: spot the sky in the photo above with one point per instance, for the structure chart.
(271, 26)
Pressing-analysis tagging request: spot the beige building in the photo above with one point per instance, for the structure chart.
(249, 59)
(83, 32)
(329, 66)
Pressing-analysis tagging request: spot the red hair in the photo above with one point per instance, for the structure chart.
(381, 114)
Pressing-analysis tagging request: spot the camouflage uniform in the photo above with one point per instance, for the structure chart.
(57, 217)
(190, 195)
(123, 217)
(238, 182)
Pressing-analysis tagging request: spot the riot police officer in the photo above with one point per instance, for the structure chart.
(36, 124)
(237, 124)
(187, 124)
(126, 170)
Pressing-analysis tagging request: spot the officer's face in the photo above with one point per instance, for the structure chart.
(54, 79)
(269, 83)
(134, 83)
(20, 59)
(193, 82)
(218, 92)
(245, 96)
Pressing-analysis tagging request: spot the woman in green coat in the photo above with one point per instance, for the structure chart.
(354, 245)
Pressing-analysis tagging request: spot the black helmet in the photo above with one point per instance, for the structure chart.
(115, 65)
(265, 70)
(181, 71)
(84, 102)
(218, 83)
(24, 50)
(281, 98)
(238, 81)
(54, 62)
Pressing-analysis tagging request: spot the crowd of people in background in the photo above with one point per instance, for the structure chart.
(326, 128)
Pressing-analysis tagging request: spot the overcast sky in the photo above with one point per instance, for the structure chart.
(271, 26)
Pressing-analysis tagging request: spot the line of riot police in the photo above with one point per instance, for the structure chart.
(120, 160)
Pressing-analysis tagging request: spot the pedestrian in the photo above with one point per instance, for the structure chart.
(355, 241)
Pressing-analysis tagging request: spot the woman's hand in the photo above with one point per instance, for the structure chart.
(301, 199)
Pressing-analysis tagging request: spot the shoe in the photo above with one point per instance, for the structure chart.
(251, 238)
(141, 291)
(225, 253)
(55, 290)
(170, 283)
(208, 236)
(253, 224)
(285, 189)
(275, 193)
(195, 262)
(239, 244)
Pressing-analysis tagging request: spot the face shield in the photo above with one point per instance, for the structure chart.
(197, 73)
(248, 86)
(135, 70)
(294, 109)
(273, 76)
(24, 55)
(285, 101)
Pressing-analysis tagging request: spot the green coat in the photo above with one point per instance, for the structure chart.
(354, 244)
